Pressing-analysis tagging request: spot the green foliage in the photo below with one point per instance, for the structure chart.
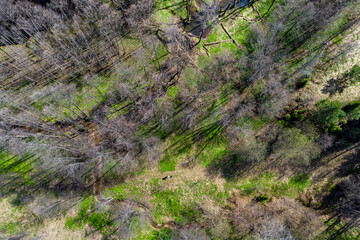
(164, 233)
(173, 7)
(335, 129)
(354, 171)
(82, 217)
(172, 92)
(251, 151)
(354, 75)
(11, 227)
(298, 114)
(338, 26)
(263, 198)
(302, 82)
(327, 113)
(172, 157)
(352, 110)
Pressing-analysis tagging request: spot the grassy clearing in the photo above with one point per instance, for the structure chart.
(19, 220)
(267, 185)
(89, 215)
(213, 153)
(176, 199)
(11, 217)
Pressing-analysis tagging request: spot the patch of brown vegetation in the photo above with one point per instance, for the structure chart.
(249, 216)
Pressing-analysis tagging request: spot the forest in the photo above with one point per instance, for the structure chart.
(180, 119)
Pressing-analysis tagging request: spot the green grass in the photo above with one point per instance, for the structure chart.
(11, 227)
(126, 191)
(212, 153)
(181, 203)
(255, 122)
(352, 110)
(335, 231)
(167, 7)
(164, 234)
(97, 218)
(12, 219)
(338, 26)
(169, 203)
(23, 167)
(167, 165)
(267, 184)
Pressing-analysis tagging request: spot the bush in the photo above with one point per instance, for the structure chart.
(354, 75)
(328, 113)
(293, 145)
(301, 83)
(251, 151)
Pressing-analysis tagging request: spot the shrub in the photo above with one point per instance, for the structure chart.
(354, 75)
(292, 144)
(288, 117)
(301, 83)
(251, 151)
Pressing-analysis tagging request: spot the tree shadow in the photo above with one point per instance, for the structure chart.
(344, 201)
(335, 86)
